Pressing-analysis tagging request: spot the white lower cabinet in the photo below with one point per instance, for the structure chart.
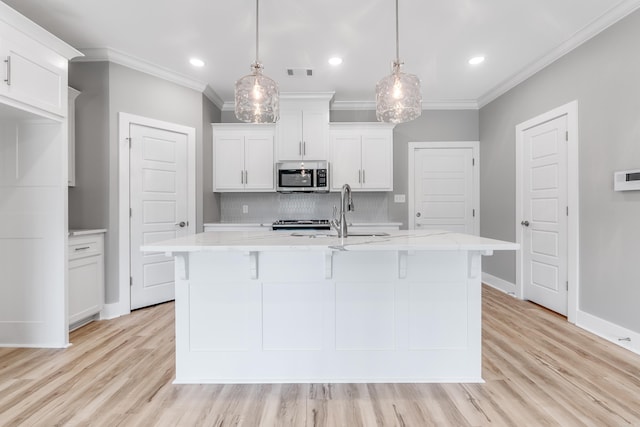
(86, 277)
(362, 156)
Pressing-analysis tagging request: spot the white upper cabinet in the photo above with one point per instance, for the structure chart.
(362, 156)
(243, 157)
(302, 133)
(32, 75)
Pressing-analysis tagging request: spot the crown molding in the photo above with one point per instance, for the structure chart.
(26, 26)
(121, 58)
(607, 19)
(460, 104)
(213, 96)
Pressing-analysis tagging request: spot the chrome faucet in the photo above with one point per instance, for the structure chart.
(345, 199)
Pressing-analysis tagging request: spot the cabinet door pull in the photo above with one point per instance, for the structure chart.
(359, 176)
(82, 248)
(363, 177)
(8, 62)
(304, 148)
(246, 177)
(241, 177)
(300, 148)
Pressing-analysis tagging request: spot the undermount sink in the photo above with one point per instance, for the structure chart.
(350, 234)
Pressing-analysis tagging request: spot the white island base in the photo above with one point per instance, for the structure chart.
(327, 312)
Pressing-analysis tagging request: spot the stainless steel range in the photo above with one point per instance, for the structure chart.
(301, 224)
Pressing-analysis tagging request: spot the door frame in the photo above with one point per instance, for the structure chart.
(475, 146)
(125, 120)
(573, 220)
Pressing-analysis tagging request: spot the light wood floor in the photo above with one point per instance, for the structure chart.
(539, 371)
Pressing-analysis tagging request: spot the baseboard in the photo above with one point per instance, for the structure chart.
(111, 311)
(609, 331)
(499, 284)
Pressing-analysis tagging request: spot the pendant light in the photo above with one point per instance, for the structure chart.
(256, 95)
(398, 97)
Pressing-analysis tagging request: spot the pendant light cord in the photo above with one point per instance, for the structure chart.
(257, 24)
(397, 36)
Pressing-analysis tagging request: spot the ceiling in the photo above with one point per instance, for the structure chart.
(437, 38)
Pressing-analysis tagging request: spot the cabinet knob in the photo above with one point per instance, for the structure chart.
(181, 224)
(418, 214)
(525, 223)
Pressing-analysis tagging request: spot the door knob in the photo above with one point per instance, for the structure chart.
(525, 223)
(181, 224)
(418, 214)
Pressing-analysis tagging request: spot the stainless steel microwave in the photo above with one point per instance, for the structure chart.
(302, 177)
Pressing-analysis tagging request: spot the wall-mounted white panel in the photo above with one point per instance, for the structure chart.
(292, 317)
(544, 177)
(544, 145)
(544, 210)
(219, 317)
(544, 242)
(158, 181)
(544, 275)
(158, 150)
(365, 316)
(157, 273)
(159, 212)
(444, 210)
(444, 186)
(437, 319)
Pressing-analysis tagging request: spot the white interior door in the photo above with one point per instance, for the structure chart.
(444, 190)
(544, 210)
(159, 209)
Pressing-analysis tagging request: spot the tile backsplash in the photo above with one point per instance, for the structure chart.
(268, 207)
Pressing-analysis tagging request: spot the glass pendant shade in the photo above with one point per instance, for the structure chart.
(257, 98)
(398, 97)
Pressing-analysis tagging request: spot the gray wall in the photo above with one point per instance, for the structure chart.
(89, 200)
(107, 90)
(432, 125)
(603, 76)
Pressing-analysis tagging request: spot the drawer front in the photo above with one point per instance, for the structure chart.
(84, 246)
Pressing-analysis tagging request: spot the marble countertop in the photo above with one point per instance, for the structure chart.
(255, 224)
(259, 241)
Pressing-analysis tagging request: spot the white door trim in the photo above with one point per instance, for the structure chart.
(124, 122)
(571, 111)
(475, 146)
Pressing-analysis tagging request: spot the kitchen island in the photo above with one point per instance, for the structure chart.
(281, 307)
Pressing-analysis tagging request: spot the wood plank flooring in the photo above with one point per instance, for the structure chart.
(539, 371)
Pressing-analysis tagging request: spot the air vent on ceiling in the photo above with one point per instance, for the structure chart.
(300, 72)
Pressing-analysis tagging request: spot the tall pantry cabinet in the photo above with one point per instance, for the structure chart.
(33, 183)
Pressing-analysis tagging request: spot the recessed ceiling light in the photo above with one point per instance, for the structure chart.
(335, 60)
(196, 62)
(476, 60)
